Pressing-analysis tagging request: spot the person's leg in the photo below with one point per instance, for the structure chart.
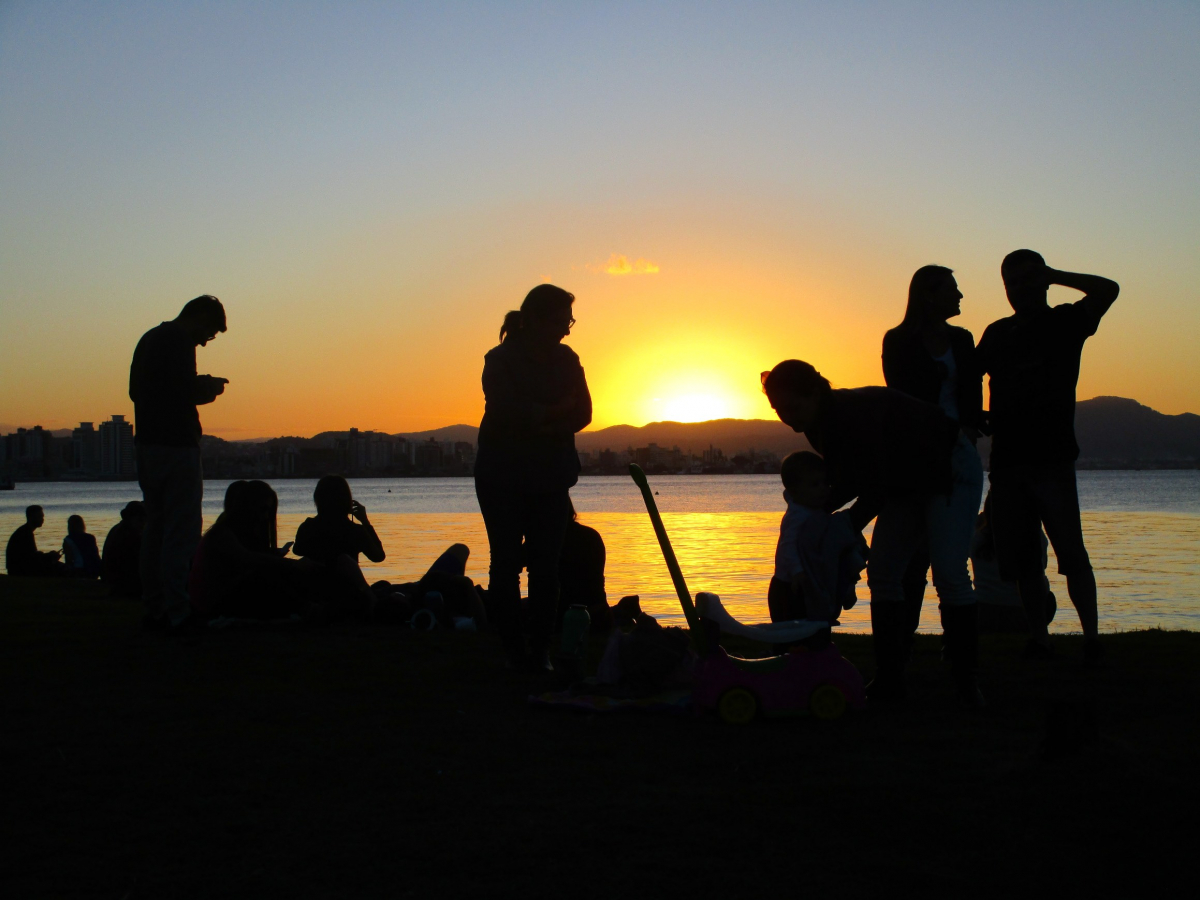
(545, 526)
(150, 478)
(501, 510)
(183, 495)
(1058, 502)
(1016, 528)
(899, 532)
(913, 585)
(452, 562)
(951, 524)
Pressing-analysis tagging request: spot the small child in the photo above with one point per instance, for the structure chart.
(819, 555)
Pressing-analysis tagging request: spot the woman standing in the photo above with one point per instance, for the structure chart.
(900, 457)
(536, 398)
(928, 358)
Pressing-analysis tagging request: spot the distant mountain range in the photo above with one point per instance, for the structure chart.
(1113, 432)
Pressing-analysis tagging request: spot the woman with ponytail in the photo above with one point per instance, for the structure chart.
(536, 398)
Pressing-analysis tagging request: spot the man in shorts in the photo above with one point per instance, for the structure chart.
(1032, 359)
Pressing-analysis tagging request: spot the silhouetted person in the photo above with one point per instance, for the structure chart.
(79, 548)
(1033, 360)
(928, 358)
(240, 573)
(819, 555)
(166, 390)
(122, 553)
(22, 557)
(581, 571)
(902, 459)
(536, 398)
(332, 532)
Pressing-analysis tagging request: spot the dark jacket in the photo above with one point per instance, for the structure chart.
(165, 389)
(520, 446)
(878, 443)
(909, 367)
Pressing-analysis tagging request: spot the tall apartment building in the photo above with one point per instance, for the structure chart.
(85, 449)
(116, 448)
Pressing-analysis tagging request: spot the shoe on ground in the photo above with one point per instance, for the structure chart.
(1094, 656)
(1037, 652)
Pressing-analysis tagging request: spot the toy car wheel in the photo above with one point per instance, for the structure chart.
(827, 702)
(737, 706)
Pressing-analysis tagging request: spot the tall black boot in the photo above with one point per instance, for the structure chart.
(960, 625)
(888, 635)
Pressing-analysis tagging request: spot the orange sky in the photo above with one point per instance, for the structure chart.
(369, 192)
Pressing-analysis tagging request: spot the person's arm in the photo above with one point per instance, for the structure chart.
(207, 388)
(372, 547)
(1099, 293)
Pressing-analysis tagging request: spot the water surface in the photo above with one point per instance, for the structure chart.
(1142, 531)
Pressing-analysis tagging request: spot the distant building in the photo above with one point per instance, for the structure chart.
(116, 448)
(85, 450)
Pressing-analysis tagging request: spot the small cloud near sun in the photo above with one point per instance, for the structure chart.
(619, 264)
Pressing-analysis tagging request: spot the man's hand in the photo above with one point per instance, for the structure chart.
(209, 387)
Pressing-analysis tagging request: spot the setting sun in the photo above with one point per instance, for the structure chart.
(695, 408)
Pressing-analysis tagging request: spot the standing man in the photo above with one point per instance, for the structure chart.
(1033, 360)
(165, 390)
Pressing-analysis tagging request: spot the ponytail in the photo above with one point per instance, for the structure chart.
(512, 323)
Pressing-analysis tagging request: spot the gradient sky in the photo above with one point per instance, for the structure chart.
(369, 186)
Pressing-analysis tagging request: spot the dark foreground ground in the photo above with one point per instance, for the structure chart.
(382, 763)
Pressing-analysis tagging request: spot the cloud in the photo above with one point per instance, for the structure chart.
(619, 264)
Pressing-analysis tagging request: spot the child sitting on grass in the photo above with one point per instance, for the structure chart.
(819, 555)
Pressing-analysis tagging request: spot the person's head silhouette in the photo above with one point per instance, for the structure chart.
(202, 318)
(796, 391)
(333, 497)
(544, 318)
(933, 297)
(1025, 281)
(35, 516)
(75, 525)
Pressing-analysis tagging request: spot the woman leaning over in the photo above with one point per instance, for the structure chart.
(536, 398)
(928, 358)
(899, 457)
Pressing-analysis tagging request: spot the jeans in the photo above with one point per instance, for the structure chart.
(541, 519)
(173, 488)
(945, 523)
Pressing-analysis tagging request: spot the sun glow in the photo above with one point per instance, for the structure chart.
(695, 408)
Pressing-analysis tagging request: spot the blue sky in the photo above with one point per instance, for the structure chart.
(376, 183)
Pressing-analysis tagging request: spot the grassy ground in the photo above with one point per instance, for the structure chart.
(360, 762)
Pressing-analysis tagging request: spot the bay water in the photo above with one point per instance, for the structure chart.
(1142, 531)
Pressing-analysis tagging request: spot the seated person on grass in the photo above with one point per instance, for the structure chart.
(333, 539)
(79, 547)
(239, 573)
(22, 557)
(122, 553)
(819, 555)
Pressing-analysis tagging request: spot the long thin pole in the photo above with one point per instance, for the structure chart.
(668, 552)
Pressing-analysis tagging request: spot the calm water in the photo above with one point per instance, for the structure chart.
(1142, 529)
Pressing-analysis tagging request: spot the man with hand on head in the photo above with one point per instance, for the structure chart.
(1033, 358)
(166, 390)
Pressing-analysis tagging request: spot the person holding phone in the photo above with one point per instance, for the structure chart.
(165, 390)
